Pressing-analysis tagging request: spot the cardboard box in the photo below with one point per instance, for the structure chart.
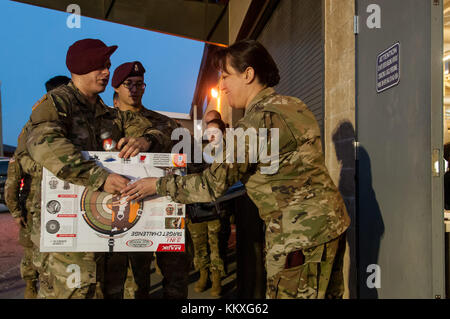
(75, 218)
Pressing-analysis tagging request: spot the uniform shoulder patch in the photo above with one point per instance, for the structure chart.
(45, 110)
(39, 102)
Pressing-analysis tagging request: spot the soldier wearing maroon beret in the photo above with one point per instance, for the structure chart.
(64, 122)
(128, 83)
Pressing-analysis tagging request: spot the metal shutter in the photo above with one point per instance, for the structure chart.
(294, 37)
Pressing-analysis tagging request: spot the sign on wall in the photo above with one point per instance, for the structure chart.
(388, 68)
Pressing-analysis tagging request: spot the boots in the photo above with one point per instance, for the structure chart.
(200, 285)
(216, 288)
(30, 289)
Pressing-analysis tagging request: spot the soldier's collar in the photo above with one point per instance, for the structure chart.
(83, 100)
(80, 97)
(100, 107)
(258, 98)
(145, 111)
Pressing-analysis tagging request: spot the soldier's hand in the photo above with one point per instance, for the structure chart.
(20, 221)
(140, 189)
(132, 146)
(115, 183)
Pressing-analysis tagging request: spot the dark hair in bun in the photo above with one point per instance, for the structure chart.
(249, 53)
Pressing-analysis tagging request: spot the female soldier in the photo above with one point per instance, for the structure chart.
(304, 213)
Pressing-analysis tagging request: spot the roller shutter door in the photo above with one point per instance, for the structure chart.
(294, 37)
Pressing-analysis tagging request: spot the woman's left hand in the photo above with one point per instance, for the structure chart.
(140, 189)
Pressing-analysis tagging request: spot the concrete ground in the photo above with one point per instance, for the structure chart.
(12, 286)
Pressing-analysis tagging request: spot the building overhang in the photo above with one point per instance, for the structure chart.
(256, 17)
(203, 20)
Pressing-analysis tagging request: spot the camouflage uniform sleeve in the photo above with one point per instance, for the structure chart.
(161, 136)
(136, 125)
(167, 128)
(215, 180)
(133, 124)
(12, 188)
(48, 146)
(27, 164)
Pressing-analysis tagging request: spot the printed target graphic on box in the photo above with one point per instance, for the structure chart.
(77, 218)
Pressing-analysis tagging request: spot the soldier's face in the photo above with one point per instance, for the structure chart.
(131, 91)
(213, 133)
(234, 86)
(97, 80)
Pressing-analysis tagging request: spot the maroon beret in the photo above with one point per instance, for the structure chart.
(126, 70)
(87, 55)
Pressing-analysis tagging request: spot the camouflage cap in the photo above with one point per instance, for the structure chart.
(123, 71)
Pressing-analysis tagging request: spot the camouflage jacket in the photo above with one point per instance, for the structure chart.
(21, 166)
(299, 202)
(164, 126)
(31, 168)
(12, 188)
(63, 123)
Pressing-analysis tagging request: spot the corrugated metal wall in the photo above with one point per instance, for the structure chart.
(294, 37)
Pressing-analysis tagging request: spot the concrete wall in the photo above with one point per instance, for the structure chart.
(340, 115)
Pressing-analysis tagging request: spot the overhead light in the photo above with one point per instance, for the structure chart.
(214, 93)
(446, 58)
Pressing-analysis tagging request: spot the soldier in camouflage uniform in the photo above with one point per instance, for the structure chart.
(304, 213)
(65, 122)
(204, 234)
(20, 201)
(128, 83)
(33, 170)
(20, 212)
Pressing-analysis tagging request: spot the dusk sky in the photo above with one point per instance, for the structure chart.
(34, 42)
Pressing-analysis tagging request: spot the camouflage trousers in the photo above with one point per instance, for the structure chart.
(68, 275)
(40, 263)
(27, 270)
(319, 276)
(174, 268)
(203, 234)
